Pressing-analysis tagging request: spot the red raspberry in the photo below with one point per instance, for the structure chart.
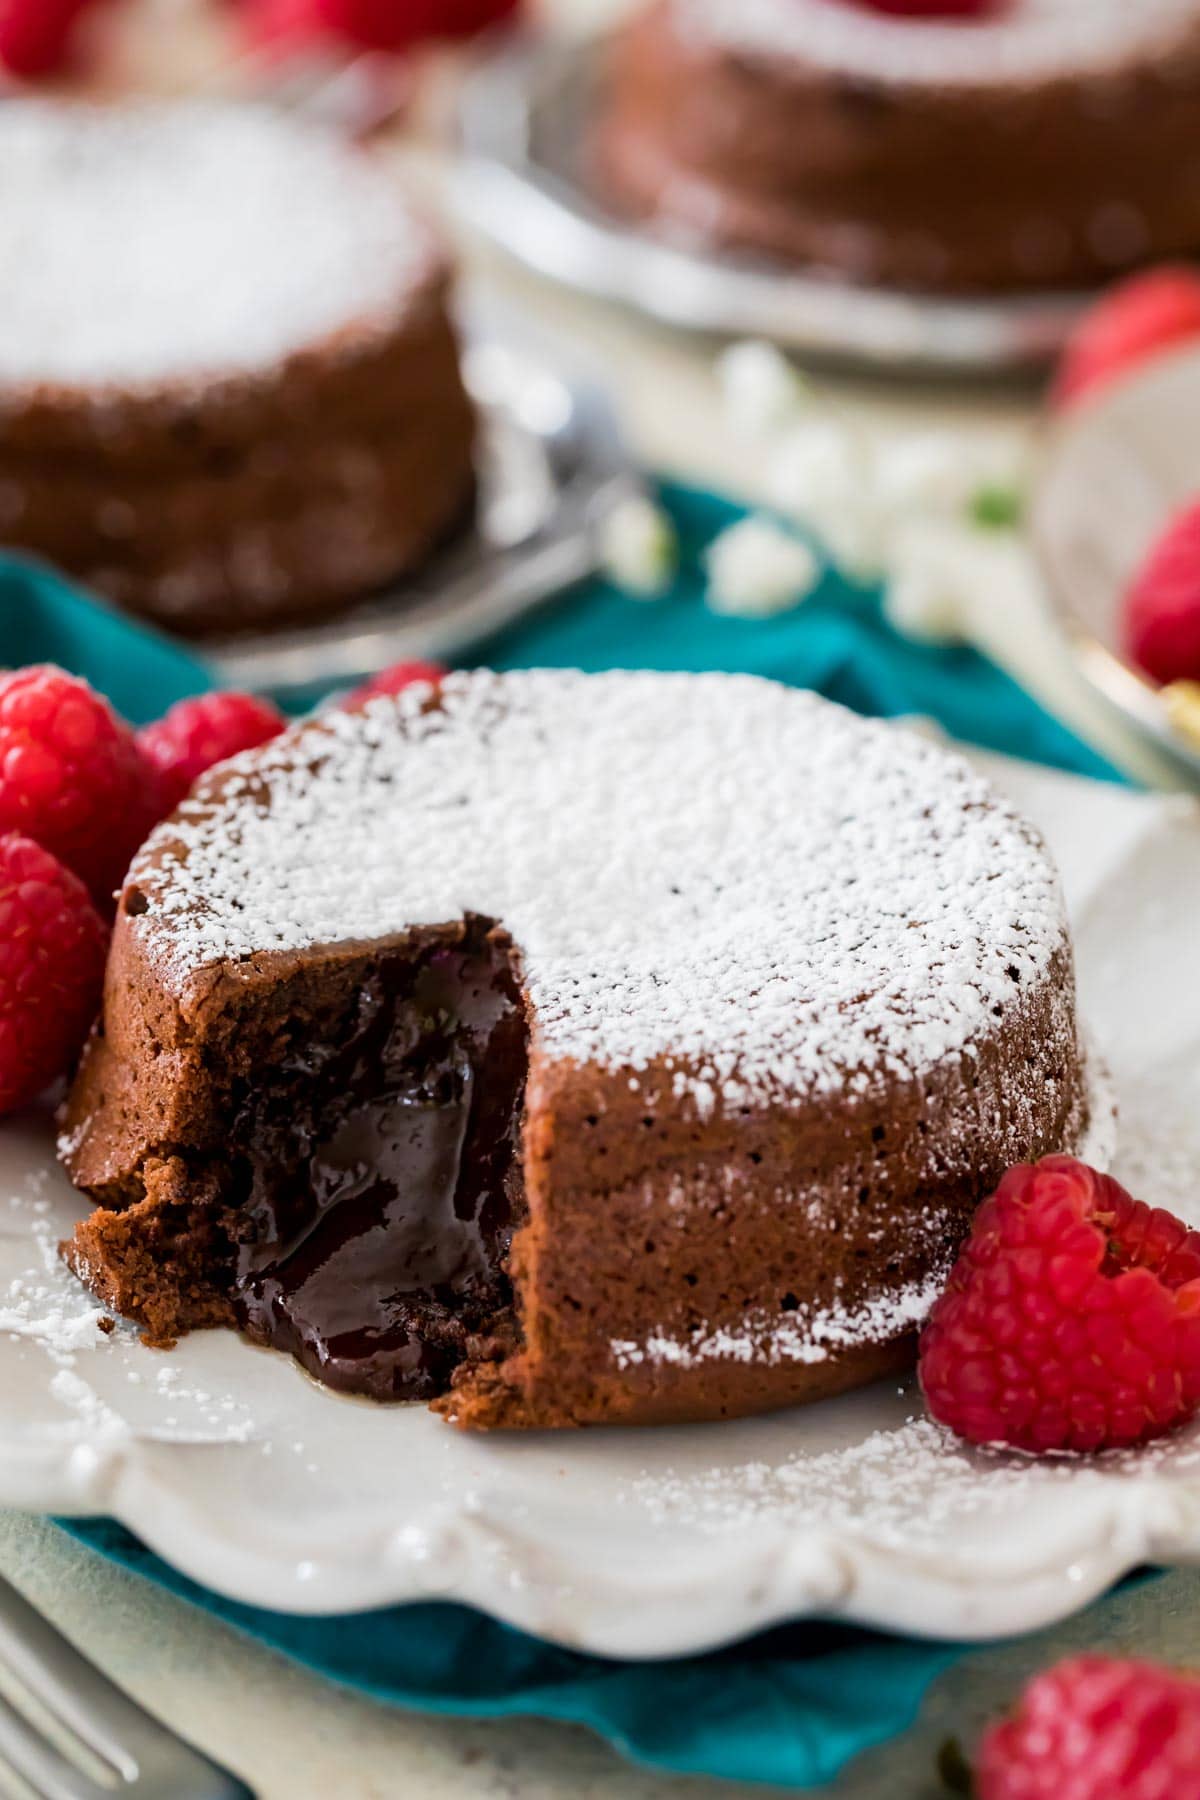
(71, 775)
(195, 734)
(1095, 1728)
(52, 949)
(1071, 1320)
(934, 9)
(1139, 319)
(393, 681)
(36, 36)
(1160, 618)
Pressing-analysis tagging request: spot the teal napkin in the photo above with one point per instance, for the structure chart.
(791, 1706)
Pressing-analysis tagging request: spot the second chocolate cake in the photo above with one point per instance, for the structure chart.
(230, 395)
(571, 1049)
(1037, 144)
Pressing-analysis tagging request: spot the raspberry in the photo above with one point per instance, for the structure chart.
(1139, 319)
(52, 950)
(1095, 1728)
(36, 36)
(1160, 616)
(1071, 1320)
(399, 25)
(281, 24)
(195, 734)
(934, 9)
(71, 775)
(393, 681)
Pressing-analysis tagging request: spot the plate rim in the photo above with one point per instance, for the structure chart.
(545, 220)
(1124, 689)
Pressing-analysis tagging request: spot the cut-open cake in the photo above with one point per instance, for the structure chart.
(573, 1048)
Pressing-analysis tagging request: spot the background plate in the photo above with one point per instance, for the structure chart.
(248, 1477)
(1116, 468)
(523, 122)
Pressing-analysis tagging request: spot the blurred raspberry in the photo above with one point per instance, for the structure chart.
(197, 733)
(935, 9)
(37, 37)
(1071, 1320)
(282, 25)
(1160, 620)
(71, 775)
(1095, 1728)
(52, 949)
(393, 26)
(401, 675)
(1139, 319)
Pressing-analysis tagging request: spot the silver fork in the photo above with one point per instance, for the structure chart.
(106, 1747)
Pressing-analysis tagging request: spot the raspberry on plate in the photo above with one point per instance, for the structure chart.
(37, 36)
(393, 681)
(1071, 1320)
(1096, 1728)
(52, 949)
(1140, 318)
(934, 9)
(1160, 619)
(71, 775)
(197, 733)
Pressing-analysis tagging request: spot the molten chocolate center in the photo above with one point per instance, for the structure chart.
(383, 1181)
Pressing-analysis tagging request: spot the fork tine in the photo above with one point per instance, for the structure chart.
(37, 1761)
(141, 1751)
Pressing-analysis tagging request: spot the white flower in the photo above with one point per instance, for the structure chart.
(761, 389)
(756, 569)
(937, 569)
(941, 473)
(822, 475)
(639, 547)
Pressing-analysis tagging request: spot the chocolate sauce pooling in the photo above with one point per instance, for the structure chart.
(382, 1177)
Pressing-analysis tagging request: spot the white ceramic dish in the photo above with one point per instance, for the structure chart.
(523, 185)
(238, 1470)
(1115, 470)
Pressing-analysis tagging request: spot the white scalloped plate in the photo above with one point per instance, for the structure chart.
(242, 1473)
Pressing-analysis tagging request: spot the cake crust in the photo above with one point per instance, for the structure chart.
(776, 1053)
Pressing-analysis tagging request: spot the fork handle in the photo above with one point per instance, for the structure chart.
(148, 1757)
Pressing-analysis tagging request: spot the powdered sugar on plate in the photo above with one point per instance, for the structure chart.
(1026, 40)
(159, 243)
(45, 1303)
(735, 881)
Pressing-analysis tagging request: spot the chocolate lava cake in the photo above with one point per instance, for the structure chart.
(569, 1049)
(229, 385)
(1043, 144)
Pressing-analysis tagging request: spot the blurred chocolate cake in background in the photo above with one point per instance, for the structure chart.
(1036, 144)
(229, 384)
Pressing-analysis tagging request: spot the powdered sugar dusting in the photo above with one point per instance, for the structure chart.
(741, 883)
(161, 243)
(46, 1303)
(901, 1489)
(808, 1335)
(1028, 39)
